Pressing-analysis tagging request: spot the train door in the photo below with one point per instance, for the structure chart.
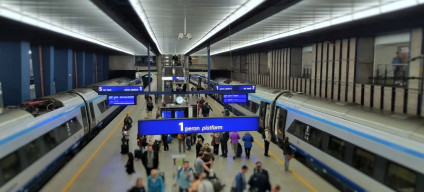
(279, 124)
(93, 117)
(84, 120)
(262, 113)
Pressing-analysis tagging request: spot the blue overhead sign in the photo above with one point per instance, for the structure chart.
(197, 125)
(249, 88)
(122, 100)
(120, 89)
(242, 98)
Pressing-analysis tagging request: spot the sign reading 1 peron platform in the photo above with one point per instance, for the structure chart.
(197, 125)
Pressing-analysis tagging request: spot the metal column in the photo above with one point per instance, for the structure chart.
(81, 69)
(209, 67)
(148, 64)
(14, 71)
(90, 77)
(43, 69)
(63, 69)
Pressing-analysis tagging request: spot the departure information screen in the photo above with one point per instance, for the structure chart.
(197, 125)
(179, 114)
(241, 98)
(122, 100)
(167, 114)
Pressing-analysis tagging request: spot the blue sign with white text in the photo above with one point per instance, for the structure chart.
(120, 88)
(197, 125)
(235, 88)
(241, 98)
(122, 100)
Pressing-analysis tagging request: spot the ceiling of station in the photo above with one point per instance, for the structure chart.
(80, 19)
(204, 17)
(307, 15)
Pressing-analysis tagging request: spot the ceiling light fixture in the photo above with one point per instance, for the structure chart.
(138, 8)
(184, 35)
(242, 10)
(389, 7)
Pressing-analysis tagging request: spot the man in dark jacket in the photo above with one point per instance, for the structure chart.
(206, 109)
(258, 183)
(128, 121)
(150, 159)
(259, 169)
(224, 143)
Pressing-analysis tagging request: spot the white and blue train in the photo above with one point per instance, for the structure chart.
(38, 138)
(353, 147)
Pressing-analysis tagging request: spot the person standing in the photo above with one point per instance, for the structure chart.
(165, 142)
(130, 164)
(267, 140)
(287, 152)
(188, 141)
(216, 141)
(149, 108)
(240, 180)
(259, 182)
(198, 108)
(180, 138)
(224, 140)
(248, 139)
(138, 186)
(206, 109)
(155, 182)
(234, 137)
(199, 165)
(128, 121)
(259, 169)
(150, 159)
(184, 177)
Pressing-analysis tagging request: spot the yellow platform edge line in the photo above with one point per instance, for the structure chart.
(68, 185)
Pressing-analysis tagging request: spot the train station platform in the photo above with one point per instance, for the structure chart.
(101, 167)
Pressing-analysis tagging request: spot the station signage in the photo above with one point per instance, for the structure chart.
(197, 125)
(174, 78)
(240, 98)
(122, 100)
(110, 89)
(249, 88)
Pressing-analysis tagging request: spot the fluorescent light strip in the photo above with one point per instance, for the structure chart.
(389, 7)
(51, 27)
(136, 5)
(242, 10)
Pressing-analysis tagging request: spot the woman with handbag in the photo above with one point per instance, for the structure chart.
(288, 153)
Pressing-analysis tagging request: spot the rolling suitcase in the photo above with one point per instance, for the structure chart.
(239, 150)
(125, 149)
(137, 153)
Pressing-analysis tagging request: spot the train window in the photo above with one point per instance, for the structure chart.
(50, 140)
(306, 135)
(400, 178)
(364, 161)
(102, 107)
(62, 132)
(297, 128)
(10, 166)
(93, 118)
(84, 117)
(336, 147)
(32, 151)
(315, 137)
(253, 107)
(74, 125)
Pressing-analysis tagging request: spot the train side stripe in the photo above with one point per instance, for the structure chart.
(370, 137)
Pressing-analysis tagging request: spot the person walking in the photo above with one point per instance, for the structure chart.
(180, 138)
(184, 177)
(199, 145)
(287, 152)
(149, 108)
(198, 108)
(155, 182)
(188, 141)
(225, 112)
(259, 169)
(267, 140)
(165, 142)
(234, 137)
(130, 164)
(216, 141)
(259, 182)
(150, 159)
(240, 180)
(224, 140)
(248, 139)
(138, 186)
(206, 109)
(128, 121)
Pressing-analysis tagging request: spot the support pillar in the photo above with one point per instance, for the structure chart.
(148, 65)
(43, 69)
(106, 67)
(90, 76)
(80, 72)
(209, 67)
(63, 69)
(100, 69)
(15, 71)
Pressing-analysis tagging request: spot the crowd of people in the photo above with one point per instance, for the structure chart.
(201, 176)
